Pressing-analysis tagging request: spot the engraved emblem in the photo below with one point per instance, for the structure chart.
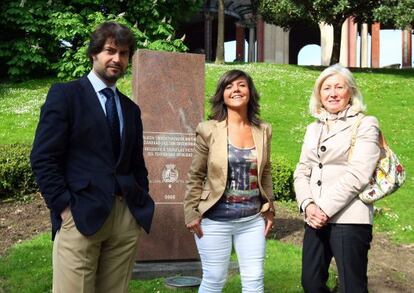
(170, 173)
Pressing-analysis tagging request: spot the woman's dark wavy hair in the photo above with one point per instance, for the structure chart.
(219, 109)
(120, 33)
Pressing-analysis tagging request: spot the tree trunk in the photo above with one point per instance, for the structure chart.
(336, 50)
(220, 33)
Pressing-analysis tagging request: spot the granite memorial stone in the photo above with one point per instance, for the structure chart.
(169, 88)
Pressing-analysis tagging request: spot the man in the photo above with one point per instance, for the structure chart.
(88, 161)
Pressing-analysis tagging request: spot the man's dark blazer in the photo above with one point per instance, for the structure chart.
(73, 162)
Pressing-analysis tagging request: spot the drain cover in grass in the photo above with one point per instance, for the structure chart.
(182, 282)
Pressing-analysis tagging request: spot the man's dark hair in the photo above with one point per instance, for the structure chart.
(219, 109)
(120, 33)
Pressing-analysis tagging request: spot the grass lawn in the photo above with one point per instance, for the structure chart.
(28, 269)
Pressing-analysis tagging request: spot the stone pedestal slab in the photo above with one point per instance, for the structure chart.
(152, 270)
(169, 89)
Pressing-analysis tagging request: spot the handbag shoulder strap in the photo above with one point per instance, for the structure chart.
(354, 130)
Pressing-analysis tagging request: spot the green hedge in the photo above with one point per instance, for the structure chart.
(282, 177)
(16, 177)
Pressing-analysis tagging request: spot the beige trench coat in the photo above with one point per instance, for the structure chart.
(324, 173)
(207, 177)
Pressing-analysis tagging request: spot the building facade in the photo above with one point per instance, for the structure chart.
(272, 44)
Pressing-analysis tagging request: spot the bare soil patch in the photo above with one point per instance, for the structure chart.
(391, 266)
(20, 221)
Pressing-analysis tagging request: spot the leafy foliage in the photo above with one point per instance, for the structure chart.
(41, 36)
(282, 178)
(16, 177)
(288, 13)
(399, 13)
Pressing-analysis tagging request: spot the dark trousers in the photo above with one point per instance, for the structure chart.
(348, 244)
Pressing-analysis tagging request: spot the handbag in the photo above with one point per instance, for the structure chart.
(388, 175)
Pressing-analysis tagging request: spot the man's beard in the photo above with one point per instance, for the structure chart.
(111, 78)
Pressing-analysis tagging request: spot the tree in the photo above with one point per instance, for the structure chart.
(288, 13)
(398, 13)
(220, 33)
(42, 36)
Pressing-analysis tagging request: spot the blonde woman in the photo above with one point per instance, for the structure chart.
(327, 184)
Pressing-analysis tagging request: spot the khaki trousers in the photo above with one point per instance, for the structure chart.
(98, 263)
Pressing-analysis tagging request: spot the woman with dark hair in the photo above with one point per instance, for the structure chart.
(229, 190)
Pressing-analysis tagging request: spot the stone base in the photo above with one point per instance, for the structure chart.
(152, 270)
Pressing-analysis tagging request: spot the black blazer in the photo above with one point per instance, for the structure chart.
(73, 162)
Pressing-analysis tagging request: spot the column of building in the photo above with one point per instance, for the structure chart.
(251, 51)
(352, 42)
(407, 47)
(375, 45)
(260, 38)
(343, 55)
(276, 44)
(260, 51)
(364, 46)
(326, 43)
(256, 36)
(240, 41)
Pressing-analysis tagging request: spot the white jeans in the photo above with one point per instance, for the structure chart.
(215, 249)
